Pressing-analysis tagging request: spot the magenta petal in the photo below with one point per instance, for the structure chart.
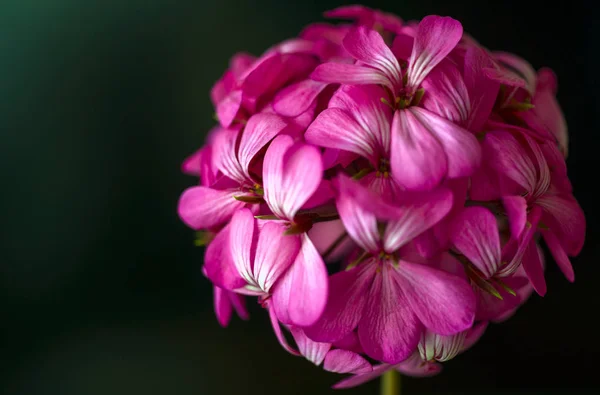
(367, 46)
(514, 249)
(534, 268)
(228, 108)
(446, 93)
(336, 128)
(275, 252)
(559, 255)
(362, 378)
(223, 308)
(218, 265)
(279, 334)
(311, 350)
(297, 98)
(242, 243)
(566, 219)
(444, 303)
(516, 210)
(366, 107)
(482, 90)
(436, 36)
(462, 149)
(224, 154)
(259, 131)
(418, 160)
(345, 304)
(349, 74)
(547, 109)
(521, 66)
(301, 295)
(349, 342)
(360, 224)
(389, 330)
(343, 361)
(239, 305)
(475, 235)
(511, 159)
(202, 208)
(292, 172)
(356, 121)
(192, 165)
(416, 216)
(504, 77)
(414, 366)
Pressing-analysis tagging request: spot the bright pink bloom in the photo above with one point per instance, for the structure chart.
(404, 297)
(421, 167)
(292, 173)
(205, 206)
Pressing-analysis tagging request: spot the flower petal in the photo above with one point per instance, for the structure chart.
(521, 66)
(228, 108)
(292, 172)
(516, 210)
(389, 330)
(343, 361)
(475, 235)
(365, 105)
(279, 334)
(415, 216)
(203, 208)
(242, 243)
(259, 131)
(297, 98)
(360, 223)
(314, 351)
(275, 252)
(225, 155)
(349, 74)
(482, 90)
(218, 264)
(436, 36)
(511, 159)
(444, 303)
(462, 149)
(336, 128)
(533, 267)
(222, 305)
(300, 296)
(345, 304)
(566, 219)
(414, 366)
(559, 255)
(548, 110)
(446, 93)
(418, 160)
(368, 47)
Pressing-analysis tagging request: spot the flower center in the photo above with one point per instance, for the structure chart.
(383, 170)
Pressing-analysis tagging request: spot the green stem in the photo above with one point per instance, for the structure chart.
(390, 383)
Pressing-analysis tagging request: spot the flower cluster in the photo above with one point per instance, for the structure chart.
(380, 187)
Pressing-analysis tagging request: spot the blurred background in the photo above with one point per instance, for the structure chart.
(100, 283)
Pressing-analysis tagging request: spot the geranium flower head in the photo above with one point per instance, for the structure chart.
(381, 188)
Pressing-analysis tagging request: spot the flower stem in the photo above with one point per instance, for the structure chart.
(390, 383)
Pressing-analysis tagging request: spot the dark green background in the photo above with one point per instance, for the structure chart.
(101, 291)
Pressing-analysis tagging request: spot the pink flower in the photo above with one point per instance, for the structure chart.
(210, 205)
(404, 297)
(421, 167)
(426, 147)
